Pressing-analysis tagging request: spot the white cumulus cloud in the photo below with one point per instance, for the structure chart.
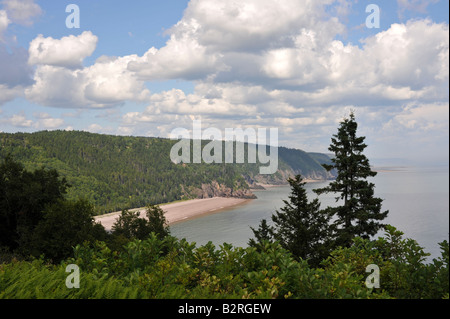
(61, 81)
(68, 51)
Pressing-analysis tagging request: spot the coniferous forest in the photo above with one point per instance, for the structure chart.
(117, 172)
(308, 252)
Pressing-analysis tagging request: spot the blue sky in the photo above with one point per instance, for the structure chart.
(147, 67)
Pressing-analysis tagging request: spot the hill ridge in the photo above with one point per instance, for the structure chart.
(120, 172)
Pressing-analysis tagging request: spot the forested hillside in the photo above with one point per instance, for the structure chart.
(118, 172)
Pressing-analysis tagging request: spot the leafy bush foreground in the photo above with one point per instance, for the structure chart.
(172, 268)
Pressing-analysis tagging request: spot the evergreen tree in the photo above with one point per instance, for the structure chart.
(264, 233)
(157, 221)
(300, 227)
(360, 214)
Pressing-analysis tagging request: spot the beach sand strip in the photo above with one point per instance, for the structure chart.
(181, 211)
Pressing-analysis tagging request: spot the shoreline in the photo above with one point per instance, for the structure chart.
(182, 210)
(387, 169)
(306, 180)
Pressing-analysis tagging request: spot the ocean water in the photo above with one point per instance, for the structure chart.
(417, 200)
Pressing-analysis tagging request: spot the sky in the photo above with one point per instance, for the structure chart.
(144, 68)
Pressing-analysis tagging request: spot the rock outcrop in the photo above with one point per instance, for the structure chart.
(214, 189)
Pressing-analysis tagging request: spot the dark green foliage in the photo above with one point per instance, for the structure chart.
(119, 172)
(37, 280)
(36, 218)
(300, 226)
(360, 213)
(132, 226)
(440, 269)
(65, 224)
(157, 221)
(264, 233)
(404, 272)
(176, 269)
(23, 197)
(114, 172)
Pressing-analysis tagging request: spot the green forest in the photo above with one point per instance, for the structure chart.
(118, 172)
(306, 252)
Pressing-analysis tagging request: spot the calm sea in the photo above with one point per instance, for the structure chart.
(417, 200)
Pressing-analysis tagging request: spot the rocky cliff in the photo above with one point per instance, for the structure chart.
(214, 189)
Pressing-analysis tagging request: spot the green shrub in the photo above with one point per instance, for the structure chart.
(172, 268)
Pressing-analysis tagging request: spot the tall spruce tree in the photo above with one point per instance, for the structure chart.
(300, 226)
(360, 214)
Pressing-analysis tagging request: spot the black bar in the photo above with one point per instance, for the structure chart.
(235, 308)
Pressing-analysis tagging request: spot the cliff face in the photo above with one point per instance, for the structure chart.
(282, 175)
(214, 189)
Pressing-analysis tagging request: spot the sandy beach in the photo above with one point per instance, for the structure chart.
(180, 211)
